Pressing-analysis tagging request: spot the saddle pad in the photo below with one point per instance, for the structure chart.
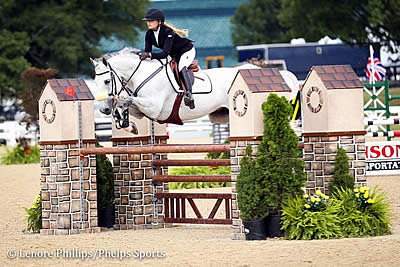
(202, 83)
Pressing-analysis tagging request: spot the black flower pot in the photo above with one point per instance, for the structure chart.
(256, 230)
(274, 225)
(107, 216)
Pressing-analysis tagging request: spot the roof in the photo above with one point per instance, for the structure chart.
(82, 91)
(337, 76)
(264, 80)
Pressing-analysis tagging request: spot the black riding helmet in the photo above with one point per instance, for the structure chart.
(154, 14)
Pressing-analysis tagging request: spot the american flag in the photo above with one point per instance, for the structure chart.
(379, 70)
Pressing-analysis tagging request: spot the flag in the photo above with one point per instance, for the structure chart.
(70, 91)
(376, 68)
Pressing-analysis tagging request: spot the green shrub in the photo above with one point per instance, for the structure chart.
(34, 217)
(279, 156)
(252, 200)
(201, 170)
(301, 220)
(361, 212)
(19, 155)
(105, 182)
(341, 175)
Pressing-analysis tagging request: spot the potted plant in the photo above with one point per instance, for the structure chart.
(105, 191)
(251, 198)
(277, 171)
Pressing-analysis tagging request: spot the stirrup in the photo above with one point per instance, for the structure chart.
(189, 101)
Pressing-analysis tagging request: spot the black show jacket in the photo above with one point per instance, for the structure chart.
(170, 43)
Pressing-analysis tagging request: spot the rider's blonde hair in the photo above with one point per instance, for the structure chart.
(177, 31)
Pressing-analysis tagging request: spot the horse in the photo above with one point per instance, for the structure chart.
(148, 88)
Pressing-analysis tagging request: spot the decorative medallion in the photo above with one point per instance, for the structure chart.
(314, 99)
(49, 111)
(240, 103)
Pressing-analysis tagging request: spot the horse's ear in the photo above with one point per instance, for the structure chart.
(94, 62)
(105, 62)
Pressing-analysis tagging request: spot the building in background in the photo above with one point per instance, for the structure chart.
(208, 22)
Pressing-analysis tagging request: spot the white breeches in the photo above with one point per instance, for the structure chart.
(187, 58)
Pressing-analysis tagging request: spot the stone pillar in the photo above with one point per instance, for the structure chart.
(333, 115)
(238, 150)
(133, 187)
(69, 199)
(61, 189)
(319, 156)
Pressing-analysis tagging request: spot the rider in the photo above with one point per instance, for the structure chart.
(172, 43)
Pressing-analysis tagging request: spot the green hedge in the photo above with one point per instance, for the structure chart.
(203, 170)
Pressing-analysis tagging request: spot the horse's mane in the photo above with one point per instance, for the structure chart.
(123, 52)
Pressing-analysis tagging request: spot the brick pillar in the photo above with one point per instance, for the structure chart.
(238, 150)
(319, 155)
(61, 189)
(133, 187)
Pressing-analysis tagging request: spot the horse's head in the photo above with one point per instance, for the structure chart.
(104, 82)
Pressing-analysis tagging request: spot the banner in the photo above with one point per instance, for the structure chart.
(382, 157)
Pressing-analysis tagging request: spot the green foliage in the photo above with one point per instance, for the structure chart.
(277, 172)
(341, 176)
(34, 217)
(363, 19)
(201, 170)
(62, 34)
(278, 154)
(13, 47)
(256, 22)
(299, 222)
(360, 217)
(105, 182)
(273, 21)
(19, 155)
(252, 200)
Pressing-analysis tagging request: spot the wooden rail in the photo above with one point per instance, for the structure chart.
(192, 162)
(175, 207)
(156, 149)
(192, 178)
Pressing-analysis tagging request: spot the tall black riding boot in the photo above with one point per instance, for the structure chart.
(189, 101)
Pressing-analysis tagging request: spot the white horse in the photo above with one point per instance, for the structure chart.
(148, 88)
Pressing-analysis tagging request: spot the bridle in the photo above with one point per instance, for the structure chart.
(123, 121)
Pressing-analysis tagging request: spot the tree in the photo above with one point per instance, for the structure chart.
(33, 80)
(277, 172)
(256, 22)
(279, 155)
(63, 34)
(13, 47)
(341, 175)
(354, 21)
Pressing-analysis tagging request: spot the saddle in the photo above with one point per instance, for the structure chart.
(174, 116)
(194, 67)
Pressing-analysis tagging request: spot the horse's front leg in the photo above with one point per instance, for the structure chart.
(151, 107)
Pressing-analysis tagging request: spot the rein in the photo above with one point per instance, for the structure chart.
(124, 83)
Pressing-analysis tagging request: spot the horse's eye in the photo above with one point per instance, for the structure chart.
(107, 81)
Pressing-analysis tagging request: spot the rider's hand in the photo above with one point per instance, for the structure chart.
(144, 55)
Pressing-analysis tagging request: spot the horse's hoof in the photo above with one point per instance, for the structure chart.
(189, 102)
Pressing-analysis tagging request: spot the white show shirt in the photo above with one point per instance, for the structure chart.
(156, 34)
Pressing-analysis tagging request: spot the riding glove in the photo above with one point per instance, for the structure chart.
(144, 55)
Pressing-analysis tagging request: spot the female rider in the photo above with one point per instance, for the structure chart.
(172, 43)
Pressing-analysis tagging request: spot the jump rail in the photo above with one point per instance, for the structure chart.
(156, 149)
(192, 162)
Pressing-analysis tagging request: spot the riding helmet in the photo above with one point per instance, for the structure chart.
(154, 14)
